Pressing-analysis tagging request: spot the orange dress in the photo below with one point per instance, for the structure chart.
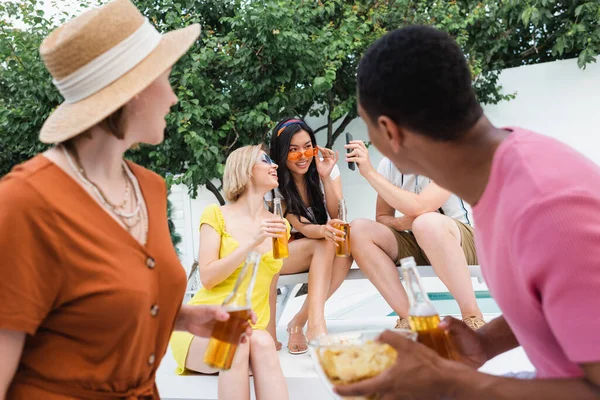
(97, 306)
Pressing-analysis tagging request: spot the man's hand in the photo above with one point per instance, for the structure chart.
(403, 223)
(418, 373)
(360, 156)
(468, 345)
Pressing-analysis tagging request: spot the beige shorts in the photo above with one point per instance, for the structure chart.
(408, 246)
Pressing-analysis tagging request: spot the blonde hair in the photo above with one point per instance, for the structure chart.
(238, 171)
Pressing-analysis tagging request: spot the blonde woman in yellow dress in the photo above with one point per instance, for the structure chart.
(227, 235)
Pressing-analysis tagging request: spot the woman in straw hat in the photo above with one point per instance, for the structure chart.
(90, 285)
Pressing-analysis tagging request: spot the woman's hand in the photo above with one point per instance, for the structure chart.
(325, 166)
(199, 320)
(269, 228)
(330, 232)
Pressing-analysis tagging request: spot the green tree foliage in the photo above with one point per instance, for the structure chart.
(259, 61)
(175, 237)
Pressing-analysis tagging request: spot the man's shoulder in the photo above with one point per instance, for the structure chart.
(387, 169)
(528, 160)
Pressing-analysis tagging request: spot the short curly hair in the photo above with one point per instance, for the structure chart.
(418, 76)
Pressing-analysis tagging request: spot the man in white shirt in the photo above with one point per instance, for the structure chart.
(435, 227)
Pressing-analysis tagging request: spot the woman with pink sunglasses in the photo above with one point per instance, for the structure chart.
(310, 188)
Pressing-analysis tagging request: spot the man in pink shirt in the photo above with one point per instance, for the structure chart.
(537, 227)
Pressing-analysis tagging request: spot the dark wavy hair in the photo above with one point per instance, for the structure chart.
(280, 146)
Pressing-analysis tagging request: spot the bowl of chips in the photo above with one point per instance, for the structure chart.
(350, 357)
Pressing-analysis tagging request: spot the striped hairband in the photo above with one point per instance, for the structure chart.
(288, 123)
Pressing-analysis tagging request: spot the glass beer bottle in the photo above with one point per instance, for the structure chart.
(343, 248)
(422, 315)
(280, 244)
(226, 335)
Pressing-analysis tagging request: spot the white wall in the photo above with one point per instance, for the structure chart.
(557, 99)
(186, 215)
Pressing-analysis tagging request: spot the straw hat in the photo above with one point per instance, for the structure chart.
(101, 60)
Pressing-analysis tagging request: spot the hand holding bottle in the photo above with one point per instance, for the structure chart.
(342, 225)
(330, 231)
(269, 228)
(227, 333)
(280, 244)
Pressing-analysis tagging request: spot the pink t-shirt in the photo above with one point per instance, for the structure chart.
(538, 241)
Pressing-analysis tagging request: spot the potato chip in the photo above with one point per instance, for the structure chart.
(349, 364)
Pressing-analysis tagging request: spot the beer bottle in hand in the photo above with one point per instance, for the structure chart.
(226, 335)
(280, 244)
(422, 315)
(343, 248)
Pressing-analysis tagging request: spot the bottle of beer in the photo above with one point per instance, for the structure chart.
(422, 315)
(226, 335)
(280, 244)
(343, 248)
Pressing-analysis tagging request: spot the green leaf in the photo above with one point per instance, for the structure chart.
(535, 16)
(319, 83)
(559, 46)
(585, 57)
(526, 15)
(258, 62)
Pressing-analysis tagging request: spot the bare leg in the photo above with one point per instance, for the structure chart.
(269, 382)
(195, 357)
(374, 248)
(319, 282)
(301, 253)
(272, 326)
(439, 237)
(341, 266)
(233, 384)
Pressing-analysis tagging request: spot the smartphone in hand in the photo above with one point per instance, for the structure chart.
(349, 138)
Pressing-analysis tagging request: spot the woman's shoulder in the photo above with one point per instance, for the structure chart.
(213, 210)
(335, 172)
(18, 198)
(147, 177)
(23, 188)
(213, 216)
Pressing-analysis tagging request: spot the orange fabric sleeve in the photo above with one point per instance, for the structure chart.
(30, 268)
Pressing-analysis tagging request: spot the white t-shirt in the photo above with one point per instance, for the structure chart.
(335, 173)
(455, 207)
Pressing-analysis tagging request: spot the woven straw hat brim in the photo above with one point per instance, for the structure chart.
(69, 120)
